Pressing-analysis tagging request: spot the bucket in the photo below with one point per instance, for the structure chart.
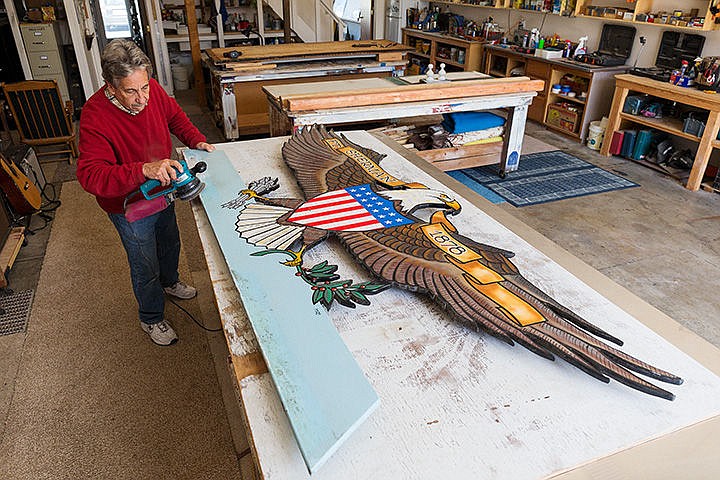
(181, 78)
(596, 132)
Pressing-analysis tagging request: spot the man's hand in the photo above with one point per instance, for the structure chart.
(205, 146)
(163, 170)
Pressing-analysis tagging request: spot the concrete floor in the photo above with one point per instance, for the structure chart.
(660, 241)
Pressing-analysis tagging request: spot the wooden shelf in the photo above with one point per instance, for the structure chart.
(447, 61)
(600, 84)
(472, 48)
(418, 54)
(639, 7)
(669, 125)
(566, 98)
(563, 131)
(689, 97)
(9, 252)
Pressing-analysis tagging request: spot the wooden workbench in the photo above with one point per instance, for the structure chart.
(458, 404)
(293, 106)
(624, 84)
(236, 83)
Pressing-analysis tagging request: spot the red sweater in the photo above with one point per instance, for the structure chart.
(114, 144)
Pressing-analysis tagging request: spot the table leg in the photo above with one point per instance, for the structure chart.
(512, 143)
(703, 152)
(621, 94)
(229, 108)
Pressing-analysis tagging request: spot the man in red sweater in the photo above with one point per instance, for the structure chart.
(124, 141)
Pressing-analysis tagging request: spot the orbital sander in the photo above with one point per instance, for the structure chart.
(186, 185)
(145, 202)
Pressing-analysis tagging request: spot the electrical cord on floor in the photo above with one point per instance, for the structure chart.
(50, 204)
(193, 318)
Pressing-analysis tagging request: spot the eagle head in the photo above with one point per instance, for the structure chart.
(415, 196)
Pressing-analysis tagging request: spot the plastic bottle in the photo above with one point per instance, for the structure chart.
(581, 48)
(541, 43)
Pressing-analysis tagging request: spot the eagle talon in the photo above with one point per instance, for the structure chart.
(297, 257)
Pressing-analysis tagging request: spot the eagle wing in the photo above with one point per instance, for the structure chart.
(320, 168)
(406, 257)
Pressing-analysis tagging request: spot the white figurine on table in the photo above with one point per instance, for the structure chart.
(430, 75)
(442, 74)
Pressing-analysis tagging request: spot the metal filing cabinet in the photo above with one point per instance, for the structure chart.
(43, 50)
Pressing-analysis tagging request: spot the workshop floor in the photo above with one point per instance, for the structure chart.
(660, 241)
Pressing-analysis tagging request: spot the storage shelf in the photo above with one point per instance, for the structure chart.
(563, 131)
(669, 125)
(705, 28)
(418, 54)
(447, 61)
(566, 98)
(443, 43)
(708, 26)
(176, 38)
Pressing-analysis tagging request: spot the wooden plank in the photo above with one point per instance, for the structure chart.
(266, 52)
(10, 251)
(453, 153)
(689, 96)
(412, 93)
(324, 400)
(195, 49)
(702, 157)
(442, 383)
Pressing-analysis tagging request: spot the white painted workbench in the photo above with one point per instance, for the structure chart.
(458, 404)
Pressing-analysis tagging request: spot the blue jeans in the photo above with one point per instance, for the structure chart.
(153, 251)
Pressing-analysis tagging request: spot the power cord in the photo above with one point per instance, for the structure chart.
(193, 318)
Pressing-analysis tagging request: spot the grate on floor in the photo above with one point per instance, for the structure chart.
(16, 311)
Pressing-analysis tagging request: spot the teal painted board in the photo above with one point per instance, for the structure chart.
(323, 390)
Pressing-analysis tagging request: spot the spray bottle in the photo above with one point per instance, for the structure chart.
(581, 49)
(534, 38)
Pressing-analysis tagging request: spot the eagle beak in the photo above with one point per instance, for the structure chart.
(454, 207)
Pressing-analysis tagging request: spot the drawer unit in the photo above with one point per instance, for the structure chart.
(42, 63)
(44, 54)
(39, 37)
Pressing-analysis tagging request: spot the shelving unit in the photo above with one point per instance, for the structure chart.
(504, 62)
(684, 96)
(579, 8)
(438, 48)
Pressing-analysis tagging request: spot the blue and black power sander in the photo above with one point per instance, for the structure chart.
(186, 185)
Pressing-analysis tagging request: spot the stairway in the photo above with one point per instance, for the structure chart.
(311, 20)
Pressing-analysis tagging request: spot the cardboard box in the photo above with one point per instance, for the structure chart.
(561, 117)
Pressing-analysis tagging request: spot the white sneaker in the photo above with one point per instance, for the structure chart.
(160, 333)
(181, 290)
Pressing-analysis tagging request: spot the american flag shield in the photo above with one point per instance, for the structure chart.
(353, 209)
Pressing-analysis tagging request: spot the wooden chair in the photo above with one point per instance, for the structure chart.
(40, 116)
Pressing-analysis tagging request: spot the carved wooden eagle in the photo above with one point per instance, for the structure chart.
(380, 220)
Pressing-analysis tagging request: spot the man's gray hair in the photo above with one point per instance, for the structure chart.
(121, 58)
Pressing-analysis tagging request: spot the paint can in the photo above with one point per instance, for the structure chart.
(181, 77)
(596, 132)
